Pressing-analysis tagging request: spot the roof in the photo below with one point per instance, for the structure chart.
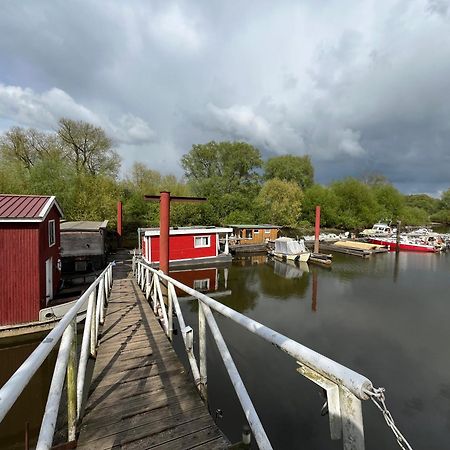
(189, 230)
(261, 226)
(26, 208)
(83, 225)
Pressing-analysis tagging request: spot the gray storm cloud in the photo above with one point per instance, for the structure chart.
(360, 86)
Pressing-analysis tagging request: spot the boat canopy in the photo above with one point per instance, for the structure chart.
(289, 246)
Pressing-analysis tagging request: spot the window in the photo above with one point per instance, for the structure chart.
(201, 285)
(255, 231)
(201, 241)
(51, 233)
(267, 231)
(248, 234)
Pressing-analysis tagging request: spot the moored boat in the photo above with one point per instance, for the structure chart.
(408, 244)
(290, 249)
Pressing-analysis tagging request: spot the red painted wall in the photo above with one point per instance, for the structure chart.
(182, 247)
(19, 273)
(23, 251)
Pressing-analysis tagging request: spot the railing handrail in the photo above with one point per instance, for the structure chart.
(12, 389)
(330, 369)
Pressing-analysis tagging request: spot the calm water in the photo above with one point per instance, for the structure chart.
(386, 317)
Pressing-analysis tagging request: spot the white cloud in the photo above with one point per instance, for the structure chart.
(174, 28)
(27, 108)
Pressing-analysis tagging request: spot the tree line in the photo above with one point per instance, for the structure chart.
(79, 165)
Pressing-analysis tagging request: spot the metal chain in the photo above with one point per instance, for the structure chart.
(379, 400)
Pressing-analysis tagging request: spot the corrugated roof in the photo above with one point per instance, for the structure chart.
(261, 226)
(25, 207)
(83, 225)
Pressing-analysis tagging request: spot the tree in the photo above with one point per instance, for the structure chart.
(390, 200)
(232, 164)
(280, 202)
(225, 173)
(422, 201)
(291, 168)
(356, 204)
(88, 148)
(28, 146)
(328, 202)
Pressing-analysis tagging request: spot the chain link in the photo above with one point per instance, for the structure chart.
(379, 400)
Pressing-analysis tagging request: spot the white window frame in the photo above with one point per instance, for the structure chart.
(267, 231)
(51, 231)
(198, 284)
(255, 231)
(208, 238)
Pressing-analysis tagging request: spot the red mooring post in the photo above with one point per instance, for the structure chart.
(164, 217)
(119, 219)
(317, 230)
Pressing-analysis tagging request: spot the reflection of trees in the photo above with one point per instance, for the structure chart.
(244, 287)
(279, 287)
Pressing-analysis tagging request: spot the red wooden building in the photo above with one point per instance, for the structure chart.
(29, 255)
(188, 245)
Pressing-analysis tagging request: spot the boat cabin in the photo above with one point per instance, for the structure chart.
(254, 234)
(83, 246)
(30, 260)
(378, 229)
(188, 245)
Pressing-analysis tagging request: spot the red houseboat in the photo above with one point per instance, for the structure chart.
(30, 264)
(188, 245)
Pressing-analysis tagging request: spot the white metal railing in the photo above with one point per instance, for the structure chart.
(66, 362)
(344, 388)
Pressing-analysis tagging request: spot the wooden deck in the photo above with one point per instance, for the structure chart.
(141, 396)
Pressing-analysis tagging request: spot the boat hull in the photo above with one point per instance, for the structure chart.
(405, 246)
(301, 257)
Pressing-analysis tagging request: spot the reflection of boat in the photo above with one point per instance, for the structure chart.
(290, 249)
(290, 269)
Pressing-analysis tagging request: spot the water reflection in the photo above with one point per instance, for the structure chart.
(29, 408)
(378, 316)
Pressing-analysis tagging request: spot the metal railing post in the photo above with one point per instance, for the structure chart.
(102, 300)
(48, 424)
(84, 355)
(352, 420)
(169, 312)
(72, 386)
(202, 350)
(93, 325)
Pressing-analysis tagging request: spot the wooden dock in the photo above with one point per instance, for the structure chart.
(141, 396)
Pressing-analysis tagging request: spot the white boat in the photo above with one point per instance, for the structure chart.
(379, 229)
(290, 249)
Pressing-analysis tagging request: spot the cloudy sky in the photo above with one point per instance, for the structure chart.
(361, 86)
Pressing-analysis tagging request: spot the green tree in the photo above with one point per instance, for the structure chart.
(291, 168)
(324, 197)
(88, 148)
(422, 201)
(280, 202)
(356, 204)
(390, 200)
(225, 173)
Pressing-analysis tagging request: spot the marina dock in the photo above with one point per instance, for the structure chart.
(141, 396)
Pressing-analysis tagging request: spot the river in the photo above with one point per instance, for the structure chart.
(385, 317)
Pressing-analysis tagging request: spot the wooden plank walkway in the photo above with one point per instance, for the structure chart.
(141, 396)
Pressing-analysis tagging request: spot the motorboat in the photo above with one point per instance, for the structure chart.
(290, 249)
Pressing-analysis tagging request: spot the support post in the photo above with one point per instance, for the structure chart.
(352, 420)
(317, 230)
(170, 314)
(72, 386)
(164, 232)
(93, 325)
(227, 248)
(397, 247)
(202, 351)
